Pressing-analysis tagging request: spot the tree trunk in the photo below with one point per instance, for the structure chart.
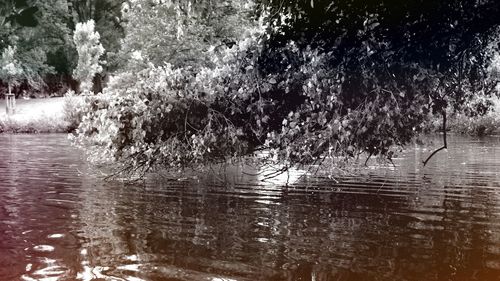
(97, 84)
(10, 101)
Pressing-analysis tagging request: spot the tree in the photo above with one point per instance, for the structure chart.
(11, 72)
(416, 56)
(17, 20)
(171, 96)
(328, 80)
(18, 12)
(46, 34)
(109, 22)
(42, 30)
(90, 51)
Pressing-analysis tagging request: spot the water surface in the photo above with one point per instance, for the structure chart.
(441, 222)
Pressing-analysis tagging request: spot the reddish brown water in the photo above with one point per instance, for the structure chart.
(441, 222)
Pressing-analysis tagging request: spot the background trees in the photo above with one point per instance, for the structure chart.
(10, 70)
(19, 25)
(43, 32)
(181, 32)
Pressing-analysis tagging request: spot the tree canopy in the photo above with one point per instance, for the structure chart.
(395, 41)
(418, 56)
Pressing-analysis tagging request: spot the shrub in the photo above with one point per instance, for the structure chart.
(72, 109)
(301, 104)
(171, 117)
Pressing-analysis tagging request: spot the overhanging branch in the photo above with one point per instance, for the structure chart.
(445, 144)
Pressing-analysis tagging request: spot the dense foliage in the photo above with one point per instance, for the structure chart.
(173, 115)
(306, 81)
(43, 30)
(181, 32)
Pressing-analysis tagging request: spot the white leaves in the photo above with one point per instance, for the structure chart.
(11, 69)
(9, 66)
(137, 55)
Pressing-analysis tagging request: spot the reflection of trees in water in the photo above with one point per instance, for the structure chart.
(407, 223)
(434, 223)
(456, 212)
(228, 232)
(37, 183)
(10, 214)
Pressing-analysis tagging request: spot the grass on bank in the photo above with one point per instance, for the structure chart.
(45, 115)
(488, 124)
(475, 126)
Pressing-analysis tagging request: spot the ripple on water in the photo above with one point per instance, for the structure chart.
(408, 223)
(43, 248)
(46, 269)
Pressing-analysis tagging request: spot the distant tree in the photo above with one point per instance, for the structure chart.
(18, 12)
(42, 30)
(10, 72)
(90, 50)
(10, 68)
(55, 36)
(109, 22)
(18, 22)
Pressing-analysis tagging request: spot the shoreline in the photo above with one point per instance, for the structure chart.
(48, 115)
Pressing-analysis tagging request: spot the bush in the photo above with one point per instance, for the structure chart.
(172, 118)
(484, 120)
(72, 109)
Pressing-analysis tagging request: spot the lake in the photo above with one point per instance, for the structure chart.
(409, 222)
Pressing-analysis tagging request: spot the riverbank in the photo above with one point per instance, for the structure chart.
(35, 116)
(488, 124)
(47, 115)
